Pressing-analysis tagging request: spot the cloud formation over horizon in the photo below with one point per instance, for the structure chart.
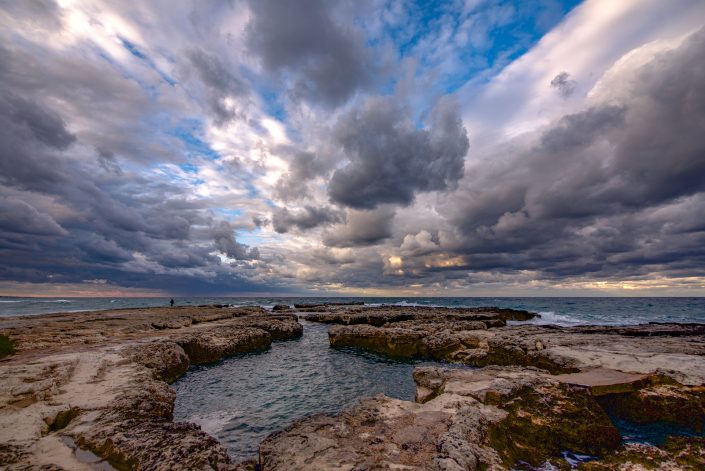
(374, 147)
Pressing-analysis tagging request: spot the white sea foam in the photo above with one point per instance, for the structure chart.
(406, 303)
(212, 422)
(550, 317)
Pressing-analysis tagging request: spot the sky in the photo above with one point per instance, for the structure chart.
(371, 148)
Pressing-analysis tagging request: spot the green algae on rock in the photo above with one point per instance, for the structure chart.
(6, 346)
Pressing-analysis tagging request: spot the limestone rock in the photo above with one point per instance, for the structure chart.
(108, 394)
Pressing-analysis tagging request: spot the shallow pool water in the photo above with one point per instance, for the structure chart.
(244, 398)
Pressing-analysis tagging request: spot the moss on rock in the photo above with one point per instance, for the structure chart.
(543, 422)
(7, 347)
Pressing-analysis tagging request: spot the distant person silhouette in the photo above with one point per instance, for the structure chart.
(172, 303)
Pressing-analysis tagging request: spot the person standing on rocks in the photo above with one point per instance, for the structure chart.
(172, 302)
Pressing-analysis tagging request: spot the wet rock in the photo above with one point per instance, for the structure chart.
(397, 343)
(546, 419)
(670, 403)
(279, 326)
(678, 453)
(210, 346)
(281, 307)
(453, 341)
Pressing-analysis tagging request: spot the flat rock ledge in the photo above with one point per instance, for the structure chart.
(90, 390)
(539, 391)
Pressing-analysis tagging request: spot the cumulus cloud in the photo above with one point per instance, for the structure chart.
(390, 159)
(329, 60)
(224, 237)
(248, 146)
(309, 217)
(220, 84)
(303, 167)
(569, 202)
(361, 228)
(18, 217)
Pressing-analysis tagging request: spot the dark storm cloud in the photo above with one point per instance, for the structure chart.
(98, 220)
(99, 249)
(391, 159)
(601, 191)
(224, 236)
(303, 167)
(30, 136)
(564, 85)
(362, 228)
(219, 81)
(309, 217)
(329, 60)
(18, 217)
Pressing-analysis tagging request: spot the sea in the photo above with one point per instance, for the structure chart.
(553, 310)
(242, 399)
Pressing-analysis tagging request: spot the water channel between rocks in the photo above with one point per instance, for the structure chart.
(244, 398)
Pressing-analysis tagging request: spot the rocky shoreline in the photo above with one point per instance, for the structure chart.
(90, 390)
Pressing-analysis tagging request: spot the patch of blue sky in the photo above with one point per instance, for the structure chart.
(136, 52)
(189, 168)
(149, 88)
(188, 132)
(231, 214)
(252, 192)
(177, 175)
(271, 99)
(507, 39)
(250, 237)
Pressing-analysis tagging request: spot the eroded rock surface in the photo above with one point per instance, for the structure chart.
(676, 350)
(549, 394)
(495, 418)
(379, 316)
(98, 382)
(474, 419)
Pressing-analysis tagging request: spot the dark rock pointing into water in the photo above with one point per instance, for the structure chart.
(98, 382)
